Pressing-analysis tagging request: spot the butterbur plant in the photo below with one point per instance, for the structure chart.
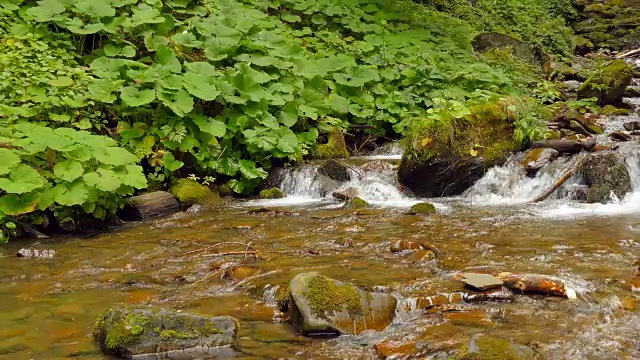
(43, 168)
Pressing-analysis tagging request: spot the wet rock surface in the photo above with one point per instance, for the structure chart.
(146, 333)
(324, 307)
(481, 282)
(335, 170)
(605, 172)
(534, 159)
(483, 347)
(36, 254)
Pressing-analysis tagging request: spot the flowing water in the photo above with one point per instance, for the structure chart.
(48, 306)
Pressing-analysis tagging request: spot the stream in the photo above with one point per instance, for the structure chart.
(49, 306)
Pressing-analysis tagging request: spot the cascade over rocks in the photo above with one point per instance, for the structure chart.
(152, 333)
(323, 307)
(605, 172)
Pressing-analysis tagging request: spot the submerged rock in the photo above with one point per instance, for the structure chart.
(632, 126)
(326, 307)
(405, 245)
(481, 282)
(356, 203)
(607, 83)
(423, 209)
(484, 347)
(620, 136)
(273, 193)
(605, 172)
(36, 254)
(129, 332)
(190, 192)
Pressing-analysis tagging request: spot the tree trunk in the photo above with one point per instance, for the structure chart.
(536, 284)
(150, 205)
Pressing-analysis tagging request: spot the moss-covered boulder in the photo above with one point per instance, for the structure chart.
(129, 332)
(334, 170)
(611, 110)
(335, 148)
(324, 307)
(447, 159)
(607, 83)
(524, 51)
(605, 173)
(610, 24)
(357, 203)
(190, 192)
(273, 193)
(424, 208)
(484, 347)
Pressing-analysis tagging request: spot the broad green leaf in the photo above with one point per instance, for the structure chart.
(289, 115)
(70, 194)
(62, 81)
(167, 58)
(356, 76)
(8, 161)
(186, 39)
(133, 96)
(201, 86)
(145, 15)
(134, 177)
(68, 170)
(95, 8)
(170, 162)
(23, 179)
(115, 156)
(291, 18)
(201, 68)
(249, 170)
(181, 103)
(46, 10)
(288, 143)
(103, 179)
(210, 126)
(102, 90)
(60, 117)
(13, 205)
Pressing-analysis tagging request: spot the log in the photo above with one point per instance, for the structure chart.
(435, 301)
(566, 176)
(536, 284)
(628, 53)
(566, 146)
(150, 205)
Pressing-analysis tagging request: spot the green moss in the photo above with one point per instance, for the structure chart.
(335, 148)
(611, 110)
(423, 208)
(273, 193)
(225, 190)
(190, 192)
(358, 203)
(283, 298)
(123, 332)
(325, 297)
(607, 83)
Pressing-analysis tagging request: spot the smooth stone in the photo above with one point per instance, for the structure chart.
(481, 282)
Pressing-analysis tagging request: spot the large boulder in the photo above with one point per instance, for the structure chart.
(605, 173)
(607, 83)
(129, 332)
(448, 159)
(335, 170)
(190, 192)
(326, 307)
(522, 50)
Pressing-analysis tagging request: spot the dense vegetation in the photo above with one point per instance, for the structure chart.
(102, 98)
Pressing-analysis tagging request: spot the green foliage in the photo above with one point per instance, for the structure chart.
(222, 89)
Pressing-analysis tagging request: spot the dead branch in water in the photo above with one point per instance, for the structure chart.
(566, 176)
(245, 253)
(248, 247)
(628, 54)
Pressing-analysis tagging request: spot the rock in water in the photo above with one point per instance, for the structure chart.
(605, 172)
(481, 282)
(273, 193)
(620, 136)
(423, 209)
(482, 347)
(158, 334)
(334, 170)
(632, 126)
(346, 194)
(326, 307)
(190, 192)
(36, 254)
(534, 159)
(607, 83)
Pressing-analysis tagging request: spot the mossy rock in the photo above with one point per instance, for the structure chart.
(356, 203)
(190, 192)
(449, 158)
(423, 209)
(524, 51)
(225, 190)
(604, 173)
(273, 193)
(335, 170)
(492, 348)
(323, 307)
(335, 148)
(126, 332)
(611, 110)
(608, 83)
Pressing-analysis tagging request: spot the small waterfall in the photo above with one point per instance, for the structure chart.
(510, 183)
(374, 181)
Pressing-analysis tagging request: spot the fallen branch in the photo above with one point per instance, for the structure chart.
(216, 245)
(252, 252)
(566, 146)
(537, 284)
(628, 54)
(566, 176)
